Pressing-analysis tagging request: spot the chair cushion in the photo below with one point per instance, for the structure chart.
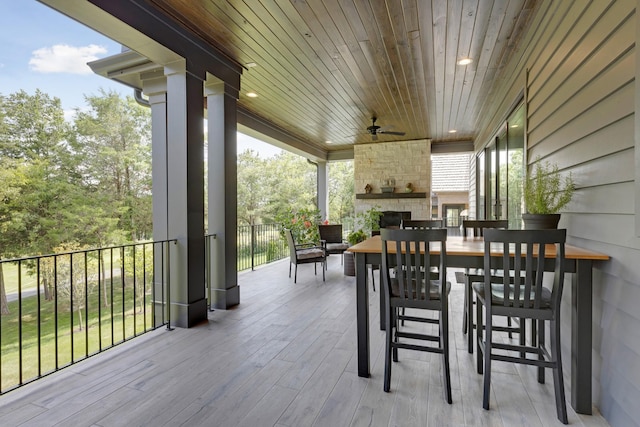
(434, 289)
(497, 294)
(310, 253)
(337, 246)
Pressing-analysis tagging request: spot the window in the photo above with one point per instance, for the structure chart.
(500, 172)
(451, 215)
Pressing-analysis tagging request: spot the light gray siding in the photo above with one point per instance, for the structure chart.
(578, 67)
(450, 172)
(473, 189)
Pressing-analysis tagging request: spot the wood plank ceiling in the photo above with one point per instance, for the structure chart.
(323, 68)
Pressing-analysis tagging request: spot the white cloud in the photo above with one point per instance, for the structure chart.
(62, 58)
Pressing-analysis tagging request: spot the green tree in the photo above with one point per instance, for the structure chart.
(73, 284)
(292, 183)
(114, 136)
(33, 127)
(44, 204)
(10, 176)
(252, 190)
(53, 193)
(274, 188)
(341, 191)
(38, 174)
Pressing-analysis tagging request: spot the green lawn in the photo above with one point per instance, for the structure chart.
(28, 277)
(10, 271)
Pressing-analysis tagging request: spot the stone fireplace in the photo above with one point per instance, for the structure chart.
(394, 164)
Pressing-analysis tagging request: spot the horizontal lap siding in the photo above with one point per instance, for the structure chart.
(581, 62)
(473, 190)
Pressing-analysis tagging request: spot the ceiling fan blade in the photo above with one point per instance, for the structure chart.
(391, 133)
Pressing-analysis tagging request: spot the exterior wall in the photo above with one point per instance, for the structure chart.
(450, 172)
(578, 66)
(451, 198)
(404, 161)
(473, 189)
(450, 180)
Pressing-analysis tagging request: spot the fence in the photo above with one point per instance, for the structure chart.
(63, 308)
(259, 244)
(79, 304)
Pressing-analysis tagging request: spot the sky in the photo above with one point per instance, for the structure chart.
(46, 50)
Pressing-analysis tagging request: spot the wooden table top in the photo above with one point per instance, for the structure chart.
(474, 246)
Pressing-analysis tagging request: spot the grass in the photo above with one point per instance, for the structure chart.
(62, 337)
(10, 271)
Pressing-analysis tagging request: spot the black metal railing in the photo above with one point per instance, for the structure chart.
(259, 244)
(65, 307)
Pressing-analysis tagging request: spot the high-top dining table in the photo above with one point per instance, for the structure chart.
(468, 252)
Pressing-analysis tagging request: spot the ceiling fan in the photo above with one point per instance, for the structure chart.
(374, 130)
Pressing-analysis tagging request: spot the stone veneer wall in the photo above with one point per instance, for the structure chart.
(405, 161)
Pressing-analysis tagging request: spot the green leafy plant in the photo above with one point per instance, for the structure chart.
(371, 219)
(303, 224)
(545, 192)
(356, 236)
(364, 223)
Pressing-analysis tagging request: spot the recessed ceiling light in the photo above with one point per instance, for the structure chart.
(329, 142)
(250, 64)
(453, 131)
(465, 61)
(515, 126)
(252, 94)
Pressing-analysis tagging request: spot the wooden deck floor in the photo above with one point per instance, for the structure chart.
(286, 356)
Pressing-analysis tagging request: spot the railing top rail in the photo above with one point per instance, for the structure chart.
(127, 245)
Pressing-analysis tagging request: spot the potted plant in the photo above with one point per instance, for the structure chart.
(363, 224)
(356, 236)
(545, 194)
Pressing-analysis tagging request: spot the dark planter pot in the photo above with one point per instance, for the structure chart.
(349, 263)
(540, 221)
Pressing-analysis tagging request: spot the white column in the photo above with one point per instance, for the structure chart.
(322, 190)
(154, 85)
(222, 192)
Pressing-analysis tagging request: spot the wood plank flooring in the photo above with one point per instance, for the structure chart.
(286, 356)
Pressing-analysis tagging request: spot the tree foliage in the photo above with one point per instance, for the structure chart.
(277, 187)
(252, 187)
(88, 181)
(291, 183)
(341, 191)
(38, 167)
(114, 136)
(73, 283)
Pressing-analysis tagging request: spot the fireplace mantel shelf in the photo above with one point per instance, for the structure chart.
(391, 195)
